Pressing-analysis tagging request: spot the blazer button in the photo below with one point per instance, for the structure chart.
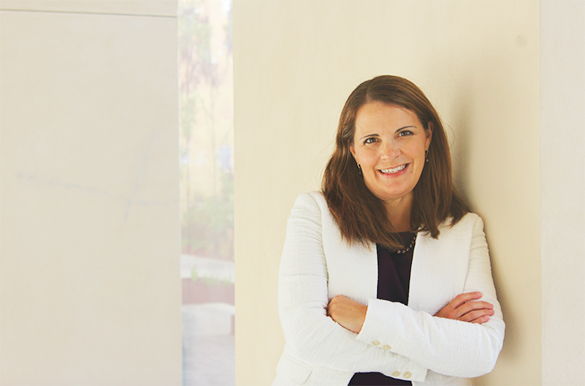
(375, 343)
(386, 347)
(396, 374)
(407, 375)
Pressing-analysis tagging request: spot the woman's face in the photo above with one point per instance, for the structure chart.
(389, 144)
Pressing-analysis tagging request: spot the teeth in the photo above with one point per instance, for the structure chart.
(396, 169)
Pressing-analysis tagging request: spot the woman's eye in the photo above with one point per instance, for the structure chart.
(370, 140)
(405, 133)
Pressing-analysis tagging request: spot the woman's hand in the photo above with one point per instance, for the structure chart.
(464, 309)
(349, 314)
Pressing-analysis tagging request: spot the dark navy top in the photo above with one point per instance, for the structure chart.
(393, 284)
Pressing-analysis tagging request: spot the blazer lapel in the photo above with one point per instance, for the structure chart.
(438, 271)
(353, 271)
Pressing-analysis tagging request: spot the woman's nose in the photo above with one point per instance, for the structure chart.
(389, 150)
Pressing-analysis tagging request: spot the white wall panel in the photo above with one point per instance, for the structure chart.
(127, 7)
(563, 191)
(89, 260)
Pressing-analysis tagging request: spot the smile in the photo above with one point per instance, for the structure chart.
(394, 170)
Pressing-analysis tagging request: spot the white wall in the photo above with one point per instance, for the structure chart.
(89, 260)
(562, 164)
(295, 64)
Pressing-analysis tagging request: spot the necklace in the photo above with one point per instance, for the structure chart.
(400, 251)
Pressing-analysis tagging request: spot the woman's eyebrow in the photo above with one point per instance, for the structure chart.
(405, 127)
(369, 135)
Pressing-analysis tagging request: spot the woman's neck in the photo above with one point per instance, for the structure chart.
(399, 213)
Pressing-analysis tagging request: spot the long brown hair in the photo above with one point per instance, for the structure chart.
(360, 215)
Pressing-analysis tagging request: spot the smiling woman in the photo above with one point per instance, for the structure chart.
(390, 148)
(390, 113)
(385, 276)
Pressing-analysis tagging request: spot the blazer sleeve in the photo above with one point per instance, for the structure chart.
(303, 297)
(445, 346)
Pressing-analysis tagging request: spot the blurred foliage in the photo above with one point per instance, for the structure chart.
(207, 212)
(208, 224)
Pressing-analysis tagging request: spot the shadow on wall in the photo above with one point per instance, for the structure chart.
(481, 145)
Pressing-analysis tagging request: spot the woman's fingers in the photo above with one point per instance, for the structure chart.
(347, 313)
(335, 305)
(477, 316)
(464, 308)
(464, 298)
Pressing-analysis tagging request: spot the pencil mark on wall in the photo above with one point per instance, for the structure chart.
(85, 13)
(52, 182)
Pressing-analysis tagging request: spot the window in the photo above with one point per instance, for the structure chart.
(207, 191)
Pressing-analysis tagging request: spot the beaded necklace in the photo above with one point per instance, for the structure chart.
(400, 251)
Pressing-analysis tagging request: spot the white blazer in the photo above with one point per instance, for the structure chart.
(404, 342)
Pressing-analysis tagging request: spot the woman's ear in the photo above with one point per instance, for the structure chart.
(352, 150)
(429, 134)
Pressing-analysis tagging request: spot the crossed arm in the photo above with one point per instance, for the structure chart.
(352, 315)
(324, 333)
(312, 336)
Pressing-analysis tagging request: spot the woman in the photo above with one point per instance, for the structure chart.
(385, 276)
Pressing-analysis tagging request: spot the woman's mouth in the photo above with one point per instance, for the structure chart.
(394, 170)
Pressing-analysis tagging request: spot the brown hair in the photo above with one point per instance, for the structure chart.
(360, 215)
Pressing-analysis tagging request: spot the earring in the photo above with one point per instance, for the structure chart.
(359, 169)
(426, 156)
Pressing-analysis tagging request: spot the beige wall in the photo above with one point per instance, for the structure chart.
(89, 260)
(563, 191)
(295, 64)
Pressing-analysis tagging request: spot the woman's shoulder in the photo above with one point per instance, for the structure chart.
(470, 218)
(469, 221)
(314, 199)
(311, 204)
